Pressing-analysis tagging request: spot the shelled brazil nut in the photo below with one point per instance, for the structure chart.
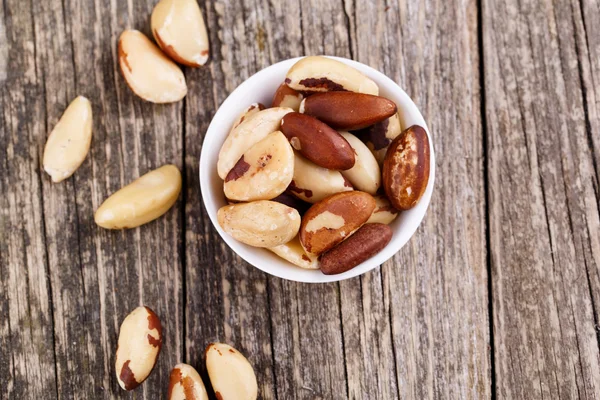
(140, 341)
(231, 375)
(331, 141)
(186, 384)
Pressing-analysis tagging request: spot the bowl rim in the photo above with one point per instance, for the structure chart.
(248, 253)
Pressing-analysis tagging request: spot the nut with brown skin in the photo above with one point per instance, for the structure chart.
(247, 113)
(231, 375)
(260, 223)
(249, 132)
(140, 341)
(365, 174)
(179, 30)
(285, 96)
(378, 137)
(384, 212)
(186, 384)
(369, 240)
(312, 183)
(347, 110)
(333, 219)
(293, 252)
(317, 142)
(263, 172)
(148, 72)
(406, 168)
(323, 74)
(69, 142)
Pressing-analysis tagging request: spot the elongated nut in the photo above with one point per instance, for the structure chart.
(333, 219)
(260, 223)
(179, 30)
(142, 201)
(365, 174)
(318, 142)
(285, 96)
(369, 240)
(384, 212)
(231, 375)
(378, 137)
(247, 113)
(69, 141)
(140, 341)
(251, 131)
(293, 252)
(148, 72)
(323, 74)
(348, 111)
(406, 168)
(263, 172)
(186, 384)
(312, 183)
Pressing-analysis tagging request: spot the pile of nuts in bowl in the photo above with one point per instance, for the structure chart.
(317, 177)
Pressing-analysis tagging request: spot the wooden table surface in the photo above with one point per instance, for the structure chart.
(496, 296)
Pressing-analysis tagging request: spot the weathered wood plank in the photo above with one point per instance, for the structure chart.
(227, 299)
(26, 325)
(543, 198)
(99, 276)
(434, 291)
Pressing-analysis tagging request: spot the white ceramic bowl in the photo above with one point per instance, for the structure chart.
(260, 88)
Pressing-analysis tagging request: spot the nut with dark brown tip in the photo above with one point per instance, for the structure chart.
(378, 137)
(369, 240)
(231, 375)
(406, 168)
(285, 96)
(317, 142)
(186, 384)
(347, 110)
(140, 341)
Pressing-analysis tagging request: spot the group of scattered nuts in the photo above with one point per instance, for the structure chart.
(140, 342)
(179, 30)
(317, 177)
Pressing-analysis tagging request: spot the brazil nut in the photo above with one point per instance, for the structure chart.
(247, 113)
(285, 96)
(293, 252)
(231, 375)
(367, 241)
(406, 168)
(140, 341)
(378, 137)
(323, 74)
(365, 175)
(186, 384)
(264, 171)
(384, 212)
(312, 183)
(251, 131)
(260, 223)
(317, 142)
(347, 110)
(333, 219)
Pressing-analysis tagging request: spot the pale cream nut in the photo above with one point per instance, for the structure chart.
(247, 113)
(391, 131)
(69, 142)
(260, 223)
(231, 375)
(263, 172)
(186, 384)
(293, 252)
(365, 175)
(312, 183)
(179, 30)
(142, 201)
(323, 74)
(140, 341)
(384, 212)
(148, 71)
(251, 131)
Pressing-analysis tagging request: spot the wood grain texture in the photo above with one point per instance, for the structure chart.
(543, 200)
